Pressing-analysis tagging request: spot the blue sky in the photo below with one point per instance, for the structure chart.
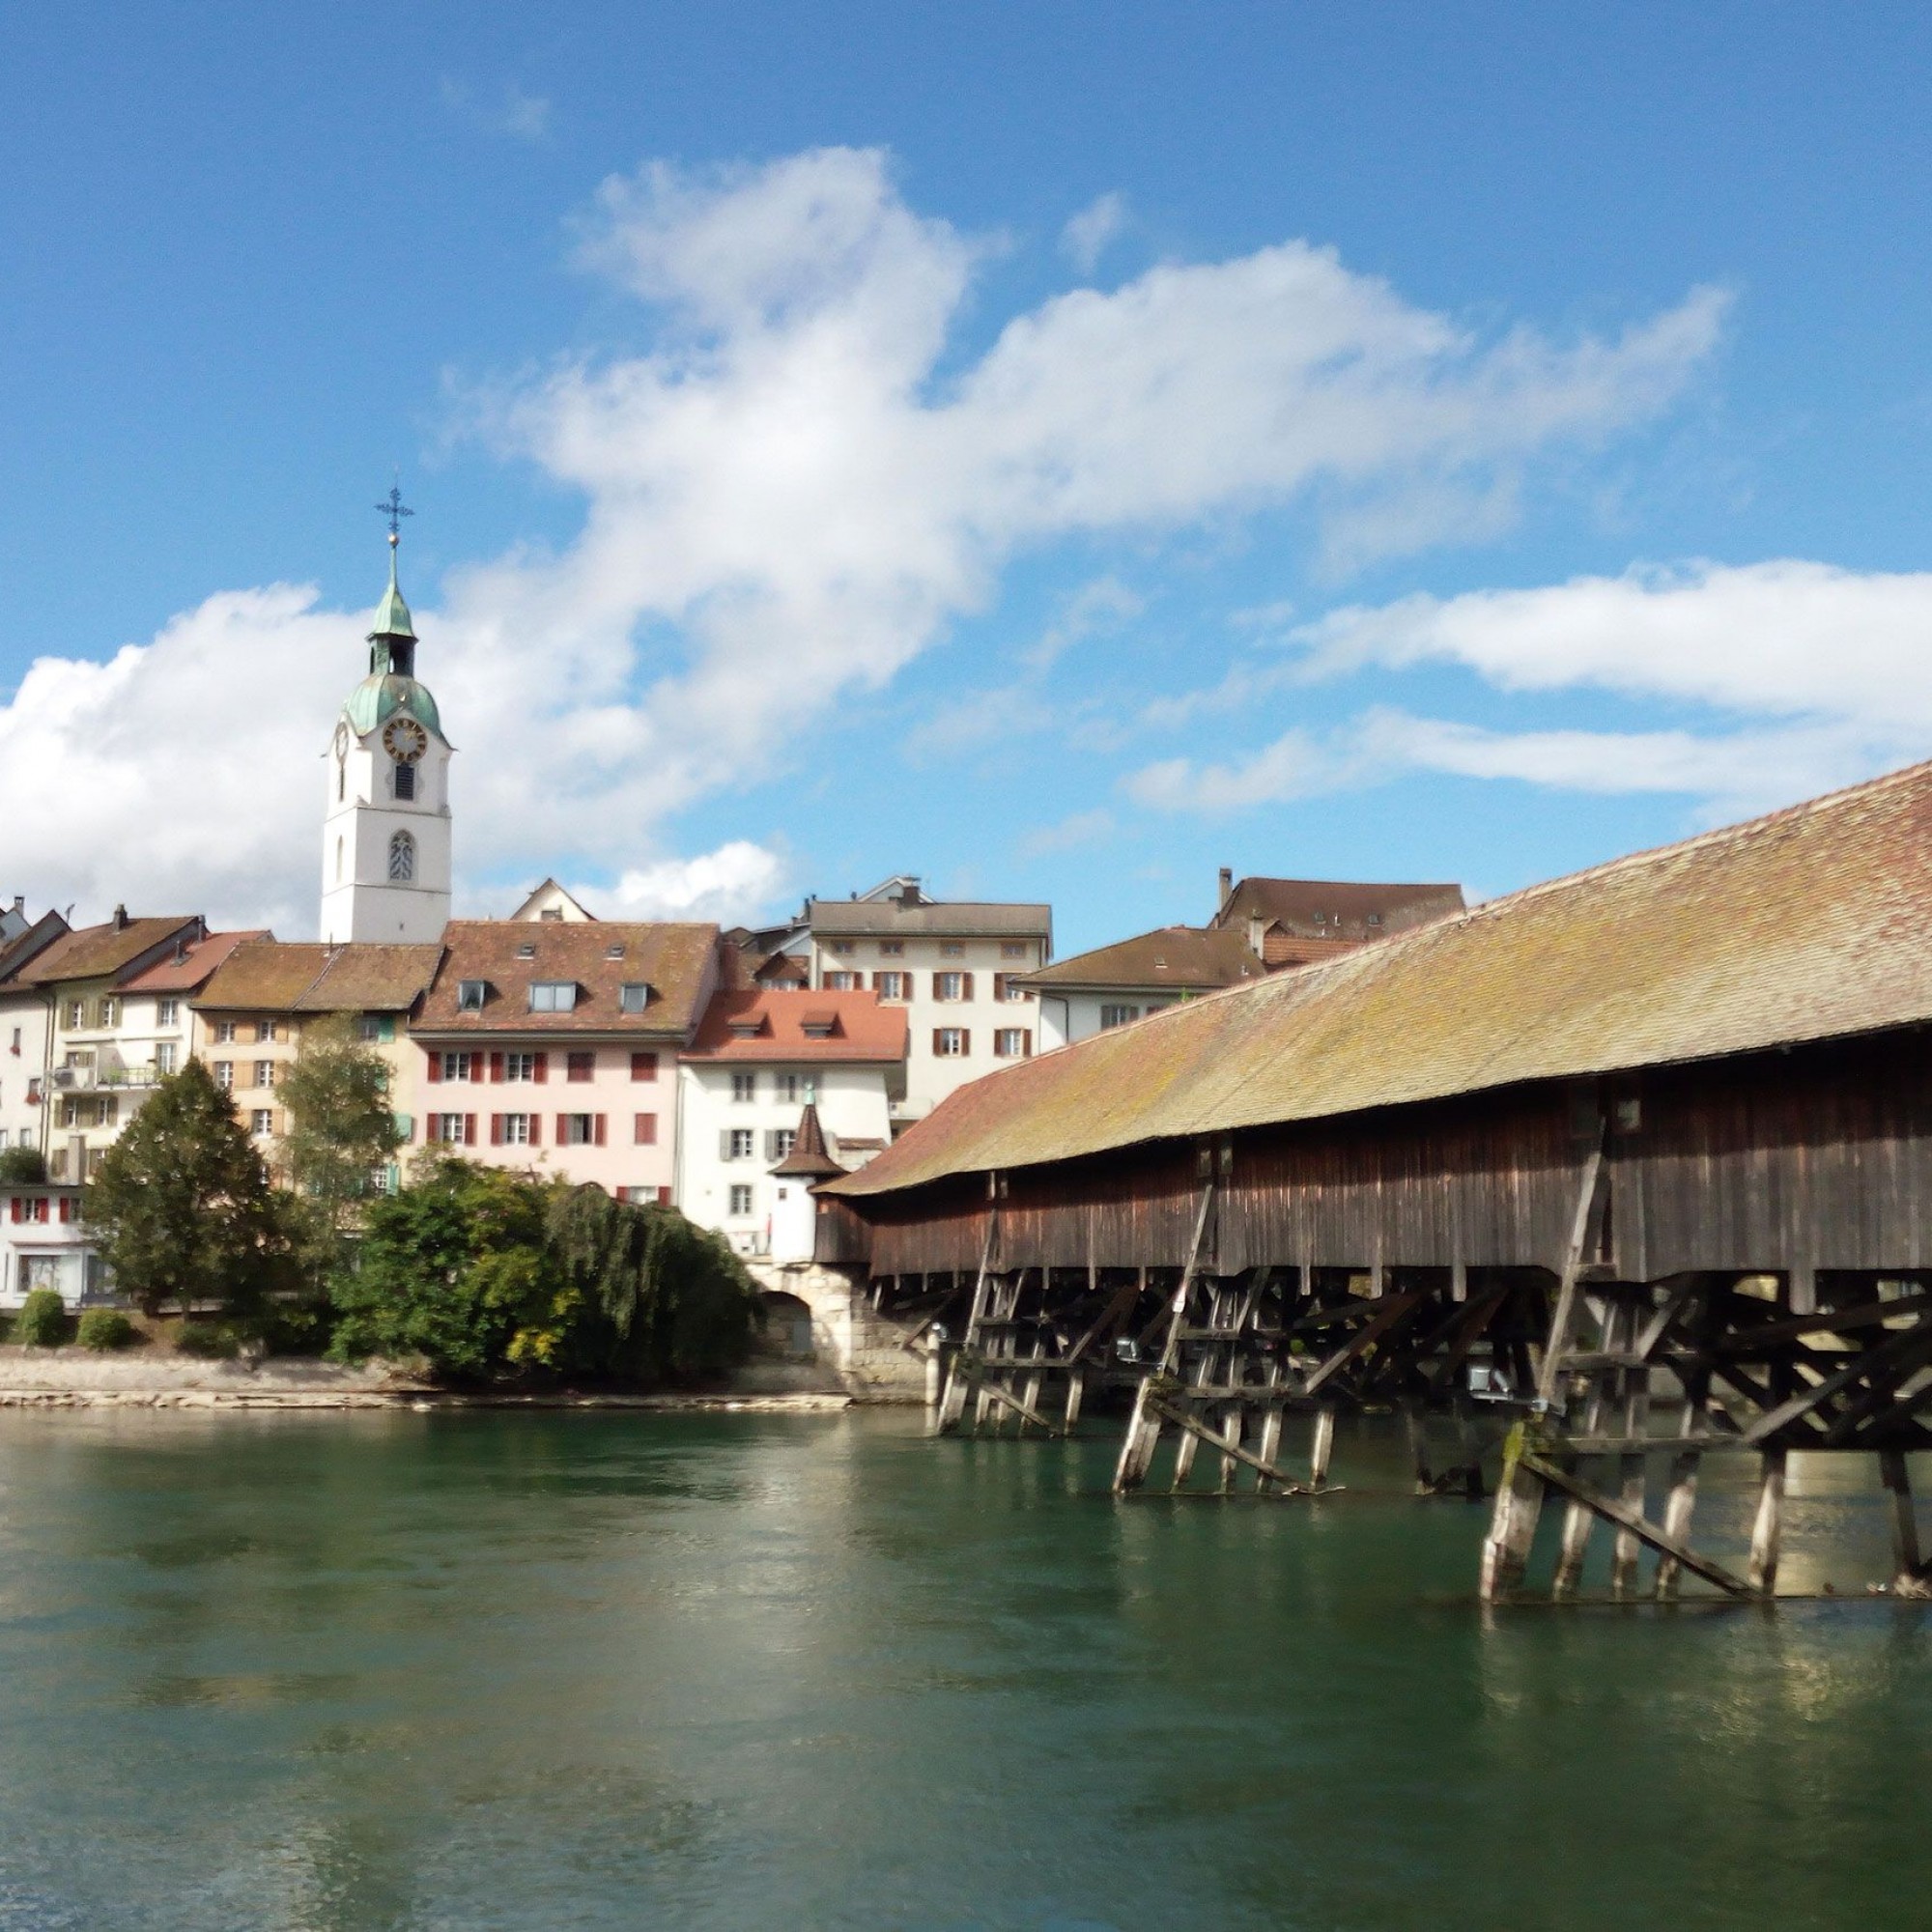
(1056, 450)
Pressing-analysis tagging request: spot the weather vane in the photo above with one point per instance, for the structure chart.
(395, 509)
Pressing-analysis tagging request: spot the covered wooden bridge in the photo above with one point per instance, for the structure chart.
(1663, 1126)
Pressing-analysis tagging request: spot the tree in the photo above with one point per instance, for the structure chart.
(341, 1131)
(182, 1205)
(23, 1166)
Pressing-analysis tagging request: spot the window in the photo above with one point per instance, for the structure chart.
(519, 1065)
(739, 1143)
(453, 1130)
(741, 1198)
(614, 950)
(262, 1123)
(167, 1013)
(785, 1086)
(644, 1130)
(744, 1086)
(1113, 1016)
(951, 949)
(510, 1129)
(843, 948)
(633, 997)
(405, 781)
(554, 914)
(953, 986)
(553, 996)
(892, 949)
(643, 1066)
(579, 1129)
(1012, 1043)
(164, 1057)
(402, 857)
(842, 983)
(893, 985)
(527, 949)
(452, 1066)
(378, 1027)
(1013, 948)
(224, 1075)
(1004, 989)
(469, 995)
(265, 1030)
(77, 1012)
(580, 1067)
(265, 1073)
(780, 1142)
(950, 1042)
(110, 1012)
(224, 1030)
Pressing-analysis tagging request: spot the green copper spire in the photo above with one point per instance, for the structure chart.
(392, 615)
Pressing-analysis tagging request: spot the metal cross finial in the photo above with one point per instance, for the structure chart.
(395, 509)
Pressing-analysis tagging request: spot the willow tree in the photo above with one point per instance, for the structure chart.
(342, 1133)
(181, 1204)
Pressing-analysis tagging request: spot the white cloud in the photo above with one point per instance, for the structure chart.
(1077, 829)
(729, 885)
(1084, 238)
(522, 116)
(786, 505)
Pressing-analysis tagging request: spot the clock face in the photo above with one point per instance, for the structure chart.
(405, 740)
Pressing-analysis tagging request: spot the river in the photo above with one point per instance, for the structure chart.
(581, 1669)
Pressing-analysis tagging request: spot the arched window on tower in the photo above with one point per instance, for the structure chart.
(402, 857)
(338, 862)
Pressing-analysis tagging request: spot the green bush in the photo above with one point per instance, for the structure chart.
(104, 1328)
(23, 1166)
(41, 1323)
(210, 1340)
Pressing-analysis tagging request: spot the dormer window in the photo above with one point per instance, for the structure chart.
(614, 950)
(633, 997)
(818, 1026)
(527, 952)
(469, 995)
(553, 996)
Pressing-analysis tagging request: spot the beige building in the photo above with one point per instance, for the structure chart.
(249, 1017)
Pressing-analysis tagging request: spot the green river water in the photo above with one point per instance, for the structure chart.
(548, 1671)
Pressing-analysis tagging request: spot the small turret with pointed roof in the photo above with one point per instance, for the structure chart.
(810, 1158)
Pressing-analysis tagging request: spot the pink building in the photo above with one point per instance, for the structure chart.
(552, 1045)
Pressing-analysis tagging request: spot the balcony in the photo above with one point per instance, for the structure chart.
(105, 1078)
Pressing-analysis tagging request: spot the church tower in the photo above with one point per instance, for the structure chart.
(385, 833)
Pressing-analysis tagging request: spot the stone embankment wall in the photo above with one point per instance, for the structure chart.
(857, 1350)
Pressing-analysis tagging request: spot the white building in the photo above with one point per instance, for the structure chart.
(955, 968)
(44, 1244)
(386, 846)
(24, 1027)
(758, 1060)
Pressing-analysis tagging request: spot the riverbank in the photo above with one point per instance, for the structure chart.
(41, 1379)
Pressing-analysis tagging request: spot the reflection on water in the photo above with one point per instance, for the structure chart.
(546, 1670)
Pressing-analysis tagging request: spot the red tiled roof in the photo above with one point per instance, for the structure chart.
(676, 963)
(1183, 957)
(96, 951)
(186, 968)
(864, 1029)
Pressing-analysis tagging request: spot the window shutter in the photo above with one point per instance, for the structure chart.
(724, 1143)
(497, 1067)
(66, 1208)
(563, 1130)
(965, 1043)
(1026, 1040)
(496, 1129)
(664, 1197)
(536, 1128)
(935, 1039)
(999, 985)
(644, 1130)
(643, 1066)
(936, 978)
(598, 1129)
(436, 1066)
(965, 985)
(386, 1029)
(542, 1067)
(16, 1208)
(470, 1129)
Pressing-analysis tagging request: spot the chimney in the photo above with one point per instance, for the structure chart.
(1227, 888)
(120, 919)
(909, 892)
(19, 902)
(1257, 934)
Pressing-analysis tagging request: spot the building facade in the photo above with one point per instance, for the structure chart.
(25, 1024)
(759, 1059)
(552, 1045)
(44, 1244)
(386, 845)
(956, 969)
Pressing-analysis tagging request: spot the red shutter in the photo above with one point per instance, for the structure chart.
(965, 985)
(936, 1032)
(562, 1130)
(436, 1066)
(645, 1130)
(470, 1130)
(643, 1066)
(936, 993)
(536, 1129)
(664, 1197)
(495, 1126)
(66, 1208)
(497, 1067)
(599, 1130)
(16, 1208)
(1026, 1036)
(543, 1068)
(999, 985)
(965, 1043)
